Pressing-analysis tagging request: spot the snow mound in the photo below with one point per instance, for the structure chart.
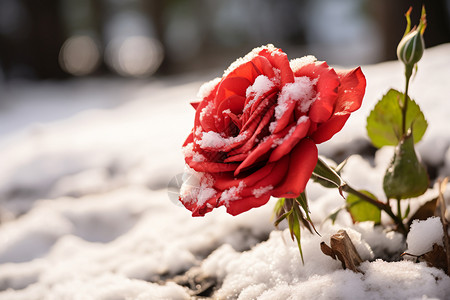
(85, 211)
(424, 234)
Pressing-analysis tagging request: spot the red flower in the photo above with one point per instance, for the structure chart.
(256, 129)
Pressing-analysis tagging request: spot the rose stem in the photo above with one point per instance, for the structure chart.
(408, 72)
(383, 206)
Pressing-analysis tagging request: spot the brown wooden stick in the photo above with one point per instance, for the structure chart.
(343, 248)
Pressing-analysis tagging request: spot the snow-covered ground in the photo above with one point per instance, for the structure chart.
(86, 212)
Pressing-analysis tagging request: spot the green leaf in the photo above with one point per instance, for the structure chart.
(361, 210)
(405, 177)
(325, 175)
(384, 123)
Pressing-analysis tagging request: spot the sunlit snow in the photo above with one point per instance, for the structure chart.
(86, 213)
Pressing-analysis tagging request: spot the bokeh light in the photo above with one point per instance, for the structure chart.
(79, 55)
(134, 56)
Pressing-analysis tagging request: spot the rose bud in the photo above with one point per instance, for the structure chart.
(411, 47)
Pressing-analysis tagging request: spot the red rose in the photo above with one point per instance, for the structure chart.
(256, 129)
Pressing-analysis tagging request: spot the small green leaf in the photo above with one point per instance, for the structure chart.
(361, 210)
(384, 123)
(405, 177)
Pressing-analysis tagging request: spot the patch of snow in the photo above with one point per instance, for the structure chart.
(261, 191)
(212, 139)
(298, 63)
(206, 88)
(231, 194)
(242, 60)
(197, 187)
(301, 90)
(261, 86)
(423, 234)
(96, 221)
(207, 110)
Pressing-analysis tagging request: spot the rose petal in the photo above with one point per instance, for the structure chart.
(232, 86)
(246, 70)
(263, 66)
(259, 151)
(189, 139)
(250, 143)
(227, 180)
(260, 110)
(207, 121)
(350, 95)
(234, 103)
(303, 159)
(299, 133)
(201, 210)
(210, 167)
(280, 61)
(325, 131)
(286, 118)
(351, 91)
(195, 104)
(239, 206)
(262, 149)
(326, 87)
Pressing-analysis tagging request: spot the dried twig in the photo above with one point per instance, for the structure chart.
(343, 248)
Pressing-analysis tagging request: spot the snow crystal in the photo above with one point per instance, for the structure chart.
(207, 88)
(207, 110)
(302, 119)
(212, 139)
(277, 142)
(306, 104)
(261, 191)
(232, 193)
(423, 234)
(297, 63)
(280, 141)
(272, 126)
(242, 60)
(197, 186)
(205, 194)
(302, 90)
(188, 151)
(261, 86)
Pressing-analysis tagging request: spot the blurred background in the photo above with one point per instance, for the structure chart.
(62, 39)
(62, 57)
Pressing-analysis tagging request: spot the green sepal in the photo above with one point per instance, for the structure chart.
(294, 228)
(405, 177)
(326, 176)
(308, 223)
(384, 123)
(361, 210)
